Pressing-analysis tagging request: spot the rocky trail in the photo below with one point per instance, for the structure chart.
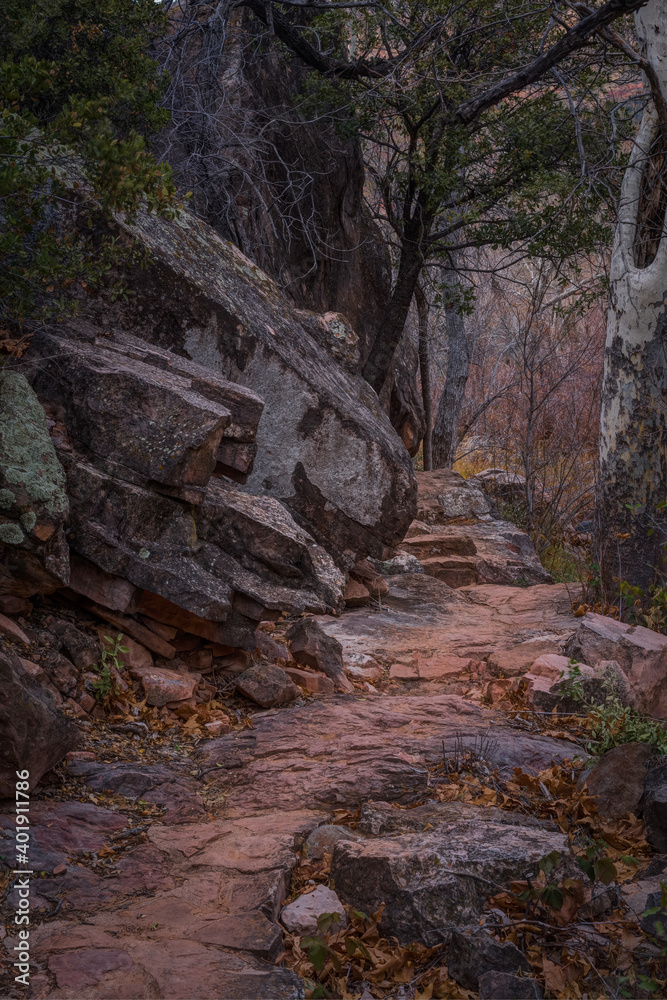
(166, 860)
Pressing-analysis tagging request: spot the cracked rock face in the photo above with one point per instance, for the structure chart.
(325, 448)
(150, 442)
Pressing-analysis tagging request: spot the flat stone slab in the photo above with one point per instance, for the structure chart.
(422, 618)
(348, 750)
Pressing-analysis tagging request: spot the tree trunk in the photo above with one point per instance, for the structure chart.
(391, 326)
(446, 429)
(425, 375)
(631, 524)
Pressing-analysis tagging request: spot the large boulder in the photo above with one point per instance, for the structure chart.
(228, 559)
(33, 503)
(324, 446)
(436, 879)
(34, 734)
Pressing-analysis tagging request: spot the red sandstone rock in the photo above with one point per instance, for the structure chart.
(312, 681)
(355, 594)
(163, 686)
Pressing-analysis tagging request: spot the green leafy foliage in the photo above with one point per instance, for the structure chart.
(611, 722)
(513, 175)
(79, 93)
(614, 723)
(105, 686)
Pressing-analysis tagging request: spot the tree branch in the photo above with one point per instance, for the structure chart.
(573, 39)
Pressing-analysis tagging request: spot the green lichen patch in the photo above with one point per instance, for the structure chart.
(7, 499)
(28, 520)
(28, 460)
(11, 534)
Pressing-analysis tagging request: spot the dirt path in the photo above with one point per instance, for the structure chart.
(164, 875)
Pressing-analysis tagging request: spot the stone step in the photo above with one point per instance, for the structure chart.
(440, 544)
(455, 571)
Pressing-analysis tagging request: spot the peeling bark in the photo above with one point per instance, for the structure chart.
(631, 526)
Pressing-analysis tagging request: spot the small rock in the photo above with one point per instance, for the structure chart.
(505, 986)
(312, 681)
(217, 727)
(86, 701)
(355, 594)
(200, 661)
(270, 648)
(617, 780)
(311, 646)
(403, 562)
(267, 685)
(162, 686)
(362, 666)
(300, 916)
(12, 631)
(324, 838)
(654, 806)
(81, 648)
(472, 955)
(60, 869)
(552, 666)
(76, 708)
(61, 671)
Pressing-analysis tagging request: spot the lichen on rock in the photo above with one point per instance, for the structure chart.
(33, 498)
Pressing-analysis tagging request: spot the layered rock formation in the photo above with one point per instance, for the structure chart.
(220, 466)
(324, 446)
(33, 502)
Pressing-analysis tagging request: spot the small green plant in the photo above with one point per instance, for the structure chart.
(614, 723)
(572, 685)
(596, 865)
(105, 686)
(319, 952)
(611, 722)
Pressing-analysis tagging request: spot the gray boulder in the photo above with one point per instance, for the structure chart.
(324, 446)
(439, 879)
(267, 685)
